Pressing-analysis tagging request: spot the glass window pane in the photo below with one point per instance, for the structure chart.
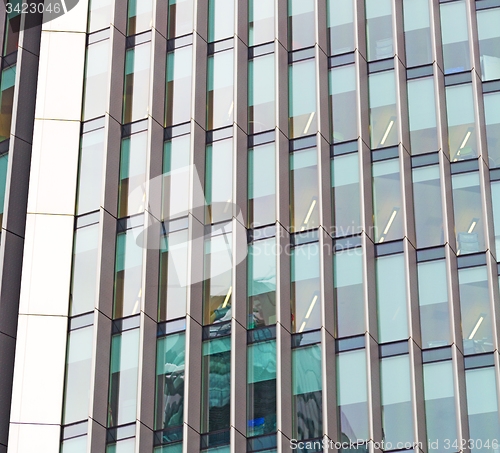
(218, 281)
(7, 87)
(4, 162)
(75, 445)
(123, 446)
(346, 194)
(84, 278)
(433, 301)
(306, 303)
(482, 406)
(348, 291)
(422, 112)
(397, 419)
(391, 298)
(440, 414)
(180, 18)
(219, 181)
(96, 80)
(136, 92)
(12, 28)
(495, 201)
(492, 116)
(379, 29)
(427, 206)
(388, 220)
(343, 93)
(261, 388)
(455, 37)
(304, 207)
(383, 117)
(124, 375)
(469, 227)
(262, 283)
(173, 275)
(306, 392)
(261, 94)
(300, 24)
(220, 19)
(99, 14)
(77, 384)
(128, 275)
(90, 172)
(340, 26)
(133, 175)
(174, 448)
(352, 395)
(417, 32)
(170, 363)
(302, 99)
(262, 185)
(216, 384)
(475, 310)
(461, 122)
(178, 104)
(220, 104)
(140, 16)
(489, 42)
(260, 21)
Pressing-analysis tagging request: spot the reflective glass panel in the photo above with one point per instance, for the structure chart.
(262, 283)
(12, 28)
(489, 42)
(306, 393)
(417, 32)
(388, 220)
(261, 388)
(302, 99)
(348, 291)
(260, 21)
(123, 381)
(7, 86)
(433, 301)
(170, 363)
(218, 281)
(75, 445)
(482, 406)
(178, 104)
(180, 18)
(123, 446)
(173, 275)
(77, 384)
(461, 123)
(136, 91)
(90, 172)
(379, 29)
(128, 275)
(99, 14)
(427, 206)
(422, 113)
(96, 80)
(220, 19)
(140, 16)
(300, 24)
(84, 278)
(304, 214)
(306, 302)
(132, 190)
(391, 298)
(220, 104)
(492, 116)
(455, 38)
(4, 162)
(475, 310)
(469, 228)
(397, 419)
(216, 384)
(343, 103)
(495, 201)
(352, 395)
(383, 117)
(440, 414)
(261, 94)
(174, 448)
(219, 181)
(340, 26)
(345, 194)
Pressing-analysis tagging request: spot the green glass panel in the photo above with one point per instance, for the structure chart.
(383, 114)
(455, 38)
(379, 29)
(302, 99)
(417, 32)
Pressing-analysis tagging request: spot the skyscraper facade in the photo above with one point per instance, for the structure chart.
(238, 226)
